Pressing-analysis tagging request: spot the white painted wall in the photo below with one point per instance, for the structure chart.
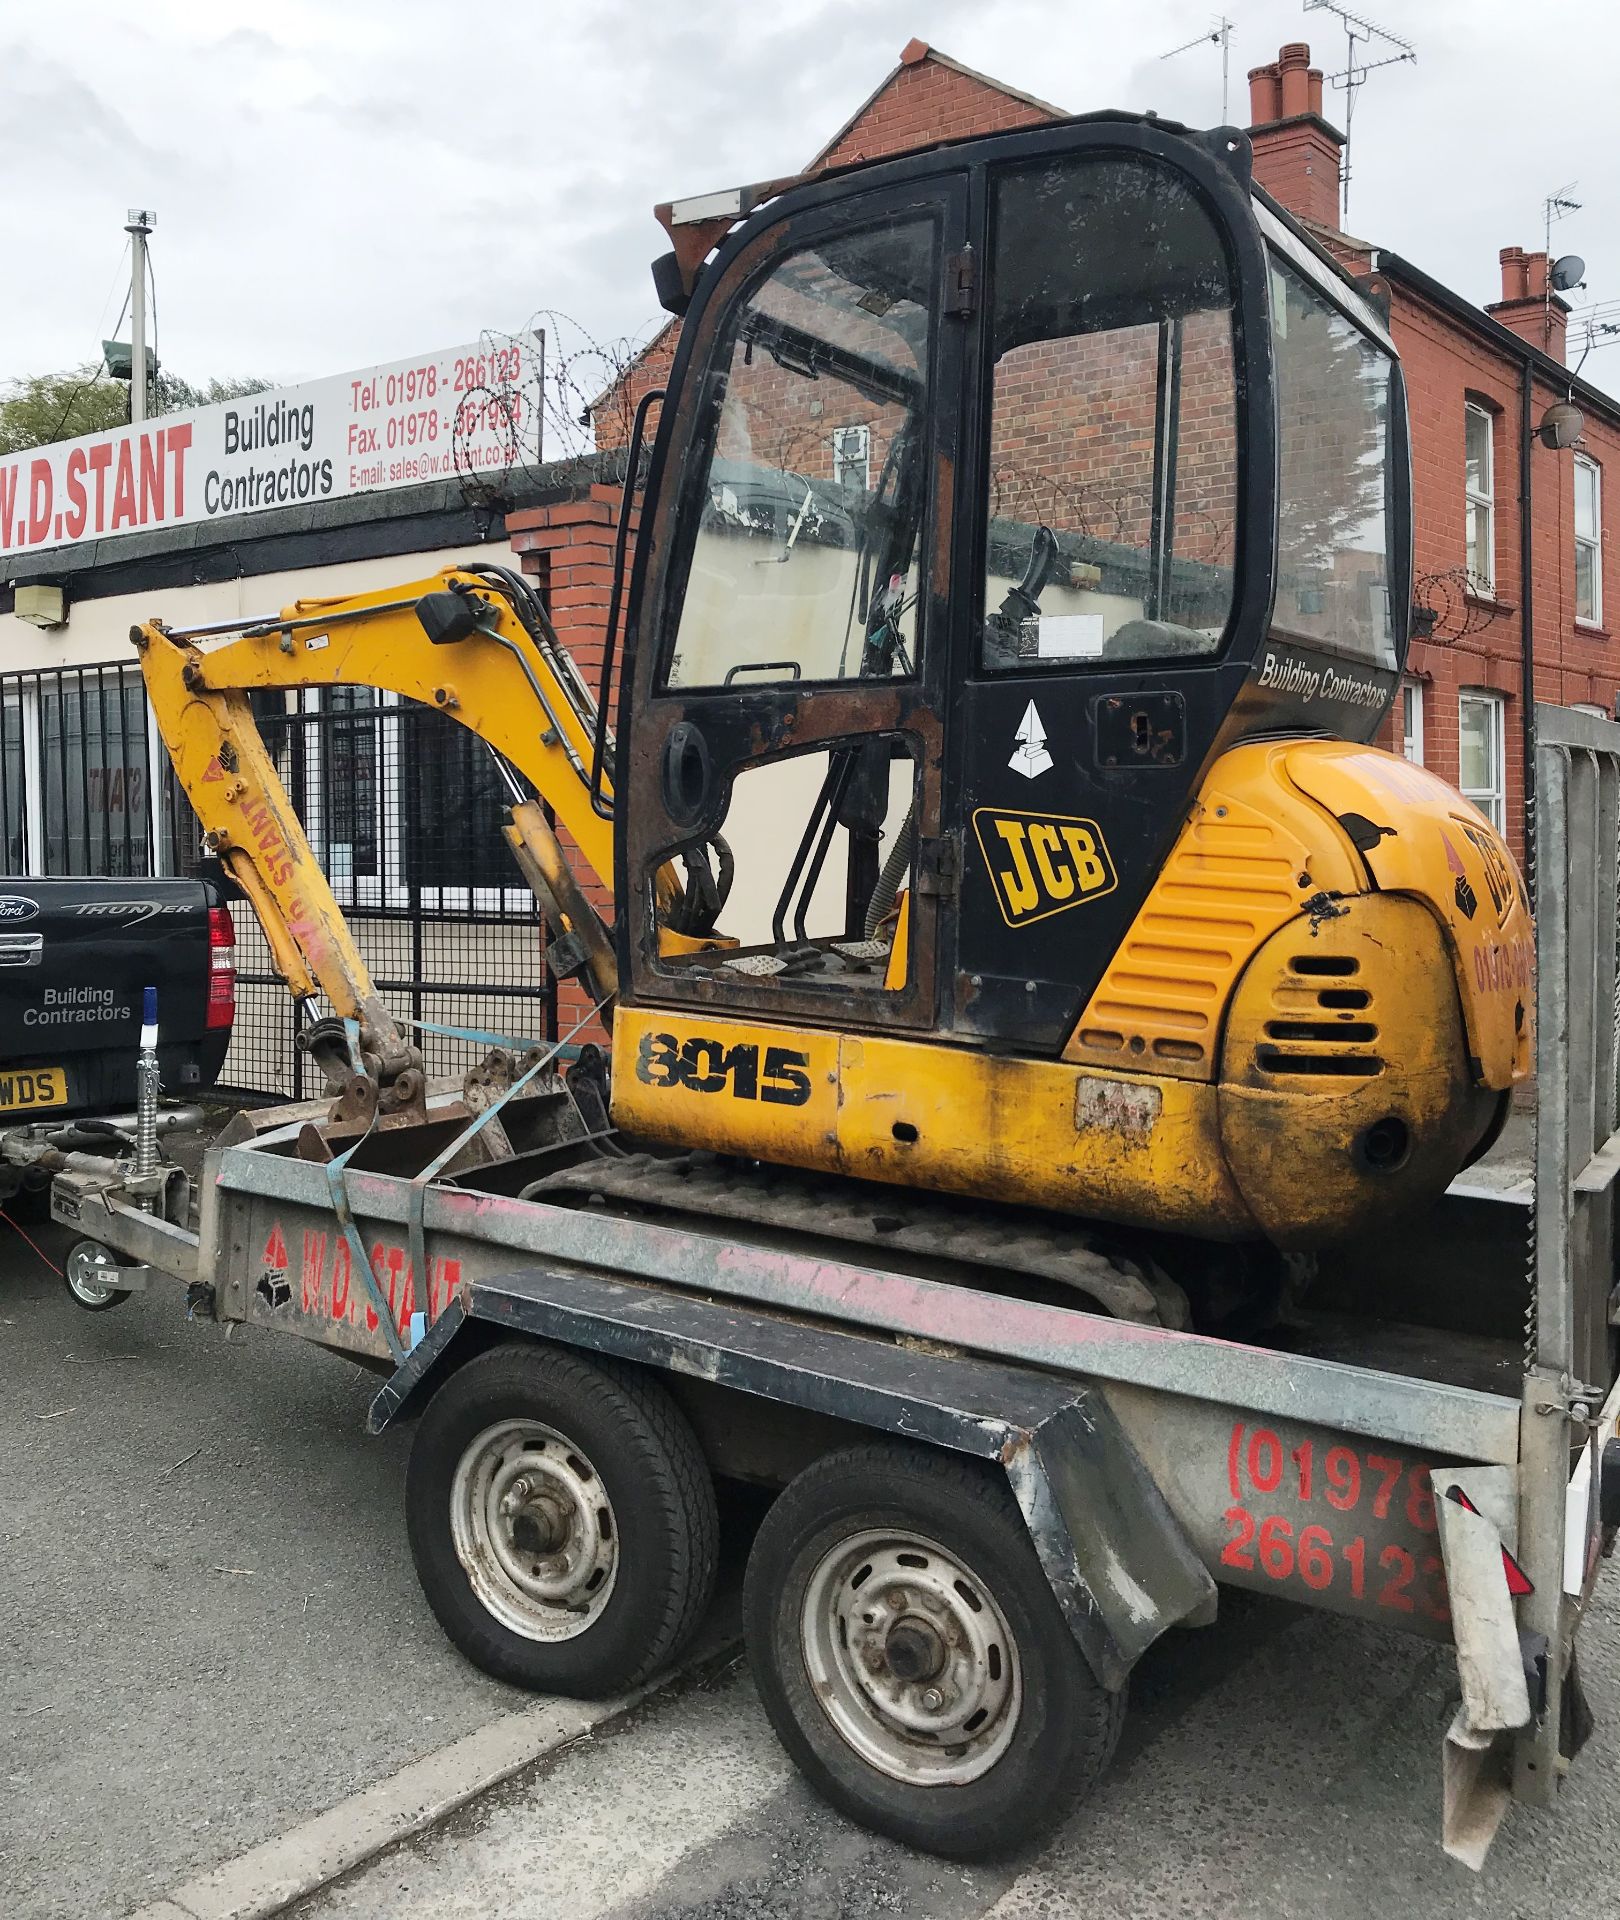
(97, 631)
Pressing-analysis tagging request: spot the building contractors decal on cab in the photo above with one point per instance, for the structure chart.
(1287, 673)
(462, 410)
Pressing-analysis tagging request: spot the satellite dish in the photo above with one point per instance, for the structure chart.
(1569, 270)
(1561, 425)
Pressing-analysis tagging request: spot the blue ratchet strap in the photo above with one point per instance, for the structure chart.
(417, 1216)
(338, 1187)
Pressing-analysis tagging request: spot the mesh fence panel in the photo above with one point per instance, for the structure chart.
(403, 808)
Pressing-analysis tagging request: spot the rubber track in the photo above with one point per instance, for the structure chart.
(697, 1189)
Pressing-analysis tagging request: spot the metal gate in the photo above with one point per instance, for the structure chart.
(403, 809)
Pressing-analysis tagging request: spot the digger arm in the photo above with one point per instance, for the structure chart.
(475, 646)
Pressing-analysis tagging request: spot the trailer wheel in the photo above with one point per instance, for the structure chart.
(911, 1655)
(91, 1273)
(562, 1520)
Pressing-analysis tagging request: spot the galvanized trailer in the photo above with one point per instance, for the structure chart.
(1453, 1473)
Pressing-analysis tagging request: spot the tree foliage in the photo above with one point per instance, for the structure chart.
(46, 407)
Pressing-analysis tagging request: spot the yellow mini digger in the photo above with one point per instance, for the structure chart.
(1025, 569)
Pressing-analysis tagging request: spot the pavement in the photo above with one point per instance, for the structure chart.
(216, 1644)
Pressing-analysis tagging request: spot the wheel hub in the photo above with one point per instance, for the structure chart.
(914, 1651)
(911, 1658)
(534, 1530)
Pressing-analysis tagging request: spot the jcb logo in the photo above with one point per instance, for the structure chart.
(1498, 872)
(1042, 863)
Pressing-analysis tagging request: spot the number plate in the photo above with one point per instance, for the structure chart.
(33, 1087)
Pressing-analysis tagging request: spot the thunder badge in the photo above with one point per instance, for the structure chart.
(1042, 863)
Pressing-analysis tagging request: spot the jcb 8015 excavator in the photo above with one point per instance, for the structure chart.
(1024, 571)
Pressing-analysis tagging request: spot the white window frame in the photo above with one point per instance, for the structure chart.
(1412, 721)
(858, 436)
(1491, 800)
(1481, 580)
(1584, 463)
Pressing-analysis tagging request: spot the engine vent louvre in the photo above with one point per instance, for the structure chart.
(1314, 1027)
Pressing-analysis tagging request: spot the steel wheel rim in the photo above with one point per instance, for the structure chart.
(92, 1273)
(534, 1530)
(911, 1658)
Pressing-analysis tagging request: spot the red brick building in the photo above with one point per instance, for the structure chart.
(1479, 382)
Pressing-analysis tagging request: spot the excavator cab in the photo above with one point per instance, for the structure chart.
(971, 530)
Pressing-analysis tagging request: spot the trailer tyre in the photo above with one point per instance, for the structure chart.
(912, 1657)
(562, 1520)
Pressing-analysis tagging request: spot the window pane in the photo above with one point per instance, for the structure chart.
(1477, 746)
(1586, 607)
(456, 804)
(1481, 479)
(1333, 391)
(1113, 460)
(350, 809)
(96, 812)
(1412, 722)
(805, 565)
(12, 813)
(1586, 500)
(1481, 554)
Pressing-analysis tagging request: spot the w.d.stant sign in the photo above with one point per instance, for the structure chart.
(462, 411)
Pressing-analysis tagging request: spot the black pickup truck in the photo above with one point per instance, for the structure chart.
(74, 956)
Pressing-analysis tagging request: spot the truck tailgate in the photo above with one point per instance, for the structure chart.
(74, 957)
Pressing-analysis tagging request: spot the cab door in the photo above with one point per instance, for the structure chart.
(786, 703)
(1103, 530)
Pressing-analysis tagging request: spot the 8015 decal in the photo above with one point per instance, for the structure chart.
(781, 1078)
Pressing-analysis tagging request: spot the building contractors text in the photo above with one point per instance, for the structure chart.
(464, 410)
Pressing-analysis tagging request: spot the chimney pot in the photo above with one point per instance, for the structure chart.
(1296, 153)
(1293, 65)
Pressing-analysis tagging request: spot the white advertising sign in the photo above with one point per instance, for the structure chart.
(465, 410)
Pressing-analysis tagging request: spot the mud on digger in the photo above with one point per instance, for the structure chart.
(1022, 965)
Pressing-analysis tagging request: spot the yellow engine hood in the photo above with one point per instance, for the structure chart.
(1420, 837)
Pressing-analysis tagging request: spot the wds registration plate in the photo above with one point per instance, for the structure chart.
(33, 1087)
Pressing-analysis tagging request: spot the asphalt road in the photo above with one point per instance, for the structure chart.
(213, 1632)
(211, 1623)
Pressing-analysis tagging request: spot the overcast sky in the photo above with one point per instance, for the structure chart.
(355, 181)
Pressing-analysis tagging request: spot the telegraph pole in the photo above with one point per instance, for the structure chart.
(141, 223)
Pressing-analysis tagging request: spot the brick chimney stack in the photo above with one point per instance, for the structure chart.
(1525, 307)
(1296, 152)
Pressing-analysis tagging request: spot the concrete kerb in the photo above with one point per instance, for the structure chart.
(268, 1878)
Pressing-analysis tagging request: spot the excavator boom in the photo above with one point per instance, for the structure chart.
(472, 642)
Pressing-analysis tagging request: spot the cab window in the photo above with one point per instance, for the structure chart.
(805, 563)
(1111, 506)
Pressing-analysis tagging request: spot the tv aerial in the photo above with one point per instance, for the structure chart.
(1382, 49)
(1219, 34)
